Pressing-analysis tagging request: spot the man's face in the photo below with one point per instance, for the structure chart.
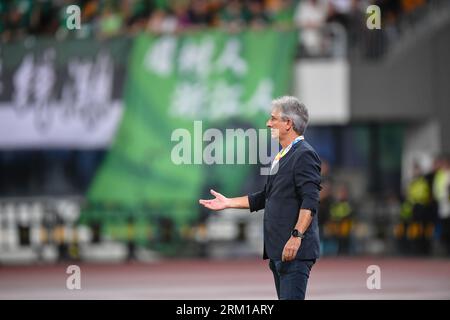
(276, 124)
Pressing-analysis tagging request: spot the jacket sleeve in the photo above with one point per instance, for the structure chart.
(257, 200)
(307, 180)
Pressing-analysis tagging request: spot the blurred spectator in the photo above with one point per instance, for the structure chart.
(256, 15)
(3, 16)
(419, 226)
(138, 13)
(131, 235)
(110, 22)
(232, 15)
(310, 16)
(281, 12)
(42, 18)
(441, 190)
(356, 23)
(199, 13)
(389, 7)
(410, 9)
(339, 12)
(387, 218)
(17, 20)
(325, 206)
(88, 17)
(180, 12)
(161, 22)
(341, 221)
(430, 177)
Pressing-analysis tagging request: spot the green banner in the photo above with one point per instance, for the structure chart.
(223, 80)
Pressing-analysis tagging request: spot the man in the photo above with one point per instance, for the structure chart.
(290, 198)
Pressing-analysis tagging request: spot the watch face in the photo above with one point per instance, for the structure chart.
(296, 233)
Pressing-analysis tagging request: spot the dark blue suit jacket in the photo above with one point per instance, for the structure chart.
(296, 185)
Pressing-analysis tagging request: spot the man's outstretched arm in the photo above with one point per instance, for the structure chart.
(221, 202)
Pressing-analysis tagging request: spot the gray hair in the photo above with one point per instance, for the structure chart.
(291, 108)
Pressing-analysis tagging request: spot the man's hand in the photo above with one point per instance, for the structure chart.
(219, 203)
(290, 249)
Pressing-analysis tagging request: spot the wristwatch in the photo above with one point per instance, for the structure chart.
(297, 234)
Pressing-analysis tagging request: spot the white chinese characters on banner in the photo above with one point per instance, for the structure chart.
(159, 58)
(188, 100)
(196, 96)
(196, 58)
(76, 110)
(230, 58)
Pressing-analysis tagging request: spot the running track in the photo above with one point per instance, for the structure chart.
(331, 278)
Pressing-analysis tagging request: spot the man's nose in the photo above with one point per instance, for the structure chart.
(268, 123)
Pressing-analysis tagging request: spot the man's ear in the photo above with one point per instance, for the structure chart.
(289, 124)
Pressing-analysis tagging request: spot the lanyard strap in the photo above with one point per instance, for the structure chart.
(283, 152)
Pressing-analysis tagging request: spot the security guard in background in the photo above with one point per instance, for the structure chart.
(417, 226)
(341, 221)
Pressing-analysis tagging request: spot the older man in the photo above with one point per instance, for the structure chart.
(290, 198)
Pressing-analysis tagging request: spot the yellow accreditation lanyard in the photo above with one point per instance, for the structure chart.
(284, 151)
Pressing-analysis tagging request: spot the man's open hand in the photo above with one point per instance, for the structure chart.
(220, 202)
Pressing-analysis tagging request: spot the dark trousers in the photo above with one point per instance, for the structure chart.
(291, 278)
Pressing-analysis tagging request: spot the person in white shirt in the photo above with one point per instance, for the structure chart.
(310, 17)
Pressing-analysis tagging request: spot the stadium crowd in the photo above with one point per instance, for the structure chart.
(105, 18)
